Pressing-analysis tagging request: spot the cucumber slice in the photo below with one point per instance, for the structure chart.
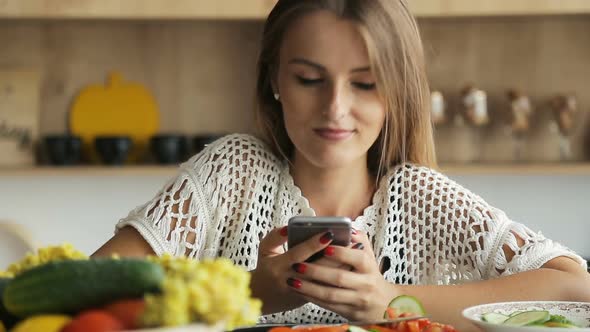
(407, 304)
(528, 318)
(516, 313)
(353, 328)
(494, 318)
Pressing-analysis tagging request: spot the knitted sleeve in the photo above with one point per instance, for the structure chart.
(189, 216)
(454, 236)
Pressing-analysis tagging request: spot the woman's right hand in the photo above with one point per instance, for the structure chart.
(269, 279)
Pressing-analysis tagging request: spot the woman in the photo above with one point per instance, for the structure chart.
(344, 110)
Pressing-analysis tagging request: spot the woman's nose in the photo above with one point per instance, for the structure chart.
(338, 104)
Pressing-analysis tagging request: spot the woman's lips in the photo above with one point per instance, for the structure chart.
(333, 134)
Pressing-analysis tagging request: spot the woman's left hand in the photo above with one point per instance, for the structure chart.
(359, 294)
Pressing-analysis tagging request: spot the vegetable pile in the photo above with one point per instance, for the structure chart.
(60, 290)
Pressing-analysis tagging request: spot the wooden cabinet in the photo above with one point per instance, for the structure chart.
(446, 8)
(199, 56)
(258, 9)
(136, 9)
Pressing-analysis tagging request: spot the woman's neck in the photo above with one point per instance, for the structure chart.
(344, 191)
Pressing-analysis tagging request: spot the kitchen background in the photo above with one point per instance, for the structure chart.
(191, 66)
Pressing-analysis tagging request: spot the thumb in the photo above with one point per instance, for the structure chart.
(272, 243)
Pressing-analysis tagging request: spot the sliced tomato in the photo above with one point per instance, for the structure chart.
(433, 327)
(281, 329)
(423, 322)
(320, 328)
(407, 314)
(413, 326)
(402, 327)
(337, 328)
(390, 312)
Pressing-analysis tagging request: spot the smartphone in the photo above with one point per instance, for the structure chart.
(302, 228)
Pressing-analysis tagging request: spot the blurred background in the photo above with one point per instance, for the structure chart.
(101, 99)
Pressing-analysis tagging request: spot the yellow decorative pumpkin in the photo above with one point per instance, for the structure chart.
(118, 108)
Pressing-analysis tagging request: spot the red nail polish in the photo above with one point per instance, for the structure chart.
(359, 246)
(326, 238)
(295, 283)
(329, 251)
(299, 268)
(283, 231)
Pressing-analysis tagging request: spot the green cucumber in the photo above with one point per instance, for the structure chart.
(528, 318)
(494, 318)
(5, 317)
(68, 287)
(407, 304)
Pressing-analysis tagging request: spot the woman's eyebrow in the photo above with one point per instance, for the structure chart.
(317, 66)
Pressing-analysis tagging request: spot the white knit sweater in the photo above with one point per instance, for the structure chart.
(425, 228)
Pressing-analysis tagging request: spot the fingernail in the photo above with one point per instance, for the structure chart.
(283, 231)
(295, 283)
(299, 267)
(326, 238)
(354, 231)
(358, 246)
(329, 251)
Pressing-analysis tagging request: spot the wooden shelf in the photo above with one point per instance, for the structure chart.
(43, 171)
(136, 9)
(449, 8)
(518, 169)
(154, 170)
(259, 9)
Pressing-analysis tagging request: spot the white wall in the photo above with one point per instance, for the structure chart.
(84, 209)
(556, 205)
(78, 209)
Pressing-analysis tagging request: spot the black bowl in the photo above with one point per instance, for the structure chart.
(200, 141)
(169, 149)
(113, 150)
(63, 150)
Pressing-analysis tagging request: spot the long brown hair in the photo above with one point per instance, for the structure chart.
(397, 61)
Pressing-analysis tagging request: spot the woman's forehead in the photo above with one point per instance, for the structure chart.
(325, 38)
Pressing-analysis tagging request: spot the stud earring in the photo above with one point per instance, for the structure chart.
(277, 96)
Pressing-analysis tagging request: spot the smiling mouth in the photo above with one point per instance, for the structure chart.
(333, 134)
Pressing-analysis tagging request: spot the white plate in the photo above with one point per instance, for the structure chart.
(577, 312)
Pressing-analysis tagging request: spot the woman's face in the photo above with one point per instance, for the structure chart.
(333, 113)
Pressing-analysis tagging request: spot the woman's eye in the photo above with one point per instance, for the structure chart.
(307, 82)
(364, 86)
